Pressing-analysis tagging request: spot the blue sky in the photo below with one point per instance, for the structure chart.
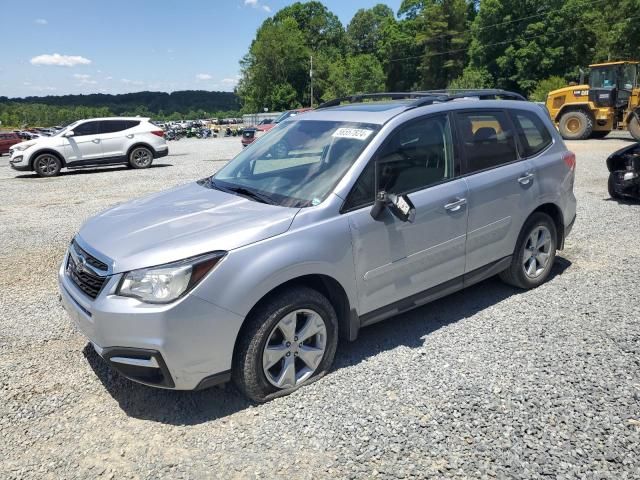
(118, 46)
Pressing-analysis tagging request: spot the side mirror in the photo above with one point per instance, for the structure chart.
(68, 134)
(400, 206)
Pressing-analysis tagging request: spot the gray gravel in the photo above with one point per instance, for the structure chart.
(488, 383)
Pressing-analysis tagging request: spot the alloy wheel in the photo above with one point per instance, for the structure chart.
(294, 349)
(537, 252)
(141, 157)
(47, 164)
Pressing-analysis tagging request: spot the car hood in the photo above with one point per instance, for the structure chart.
(180, 223)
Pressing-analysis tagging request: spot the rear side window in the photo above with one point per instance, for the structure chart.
(534, 136)
(487, 139)
(87, 128)
(112, 126)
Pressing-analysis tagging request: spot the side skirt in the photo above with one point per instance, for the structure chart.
(427, 296)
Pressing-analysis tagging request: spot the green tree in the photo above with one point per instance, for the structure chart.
(472, 78)
(543, 88)
(365, 31)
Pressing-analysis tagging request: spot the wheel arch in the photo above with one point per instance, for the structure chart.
(50, 151)
(573, 107)
(140, 144)
(327, 286)
(556, 215)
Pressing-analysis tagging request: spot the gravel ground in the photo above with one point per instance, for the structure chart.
(488, 383)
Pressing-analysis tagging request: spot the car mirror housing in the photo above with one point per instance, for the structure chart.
(68, 134)
(400, 206)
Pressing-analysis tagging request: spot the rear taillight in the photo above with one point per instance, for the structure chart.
(570, 159)
(159, 133)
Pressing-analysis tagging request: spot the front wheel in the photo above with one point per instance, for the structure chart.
(576, 125)
(534, 254)
(140, 157)
(289, 341)
(634, 128)
(47, 165)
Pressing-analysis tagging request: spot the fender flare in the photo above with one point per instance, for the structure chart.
(572, 106)
(46, 150)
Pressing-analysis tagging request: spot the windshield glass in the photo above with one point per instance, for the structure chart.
(629, 74)
(603, 77)
(65, 128)
(283, 116)
(298, 163)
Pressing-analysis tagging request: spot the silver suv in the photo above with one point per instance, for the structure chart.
(333, 221)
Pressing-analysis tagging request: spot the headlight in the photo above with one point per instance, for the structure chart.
(23, 146)
(166, 283)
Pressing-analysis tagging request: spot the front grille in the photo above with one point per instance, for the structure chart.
(85, 280)
(94, 262)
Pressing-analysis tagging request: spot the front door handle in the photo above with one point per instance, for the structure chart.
(130, 135)
(526, 178)
(455, 206)
(96, 140)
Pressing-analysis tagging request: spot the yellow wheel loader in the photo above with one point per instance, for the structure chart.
(611, 101)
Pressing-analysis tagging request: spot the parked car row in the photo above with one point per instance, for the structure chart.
(251, 134)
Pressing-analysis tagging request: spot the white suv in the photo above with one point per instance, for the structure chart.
(98, 141)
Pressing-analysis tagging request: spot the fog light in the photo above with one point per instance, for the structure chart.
(629, 176)
(16, 160)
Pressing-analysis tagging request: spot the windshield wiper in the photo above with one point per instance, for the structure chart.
(245, 192)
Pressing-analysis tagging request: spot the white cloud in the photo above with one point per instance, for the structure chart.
(60, 60)
(109, 78)
(40, 21)
(229, 81)
(84, 79)
(203, 76)
(257, 4)
(132, 82)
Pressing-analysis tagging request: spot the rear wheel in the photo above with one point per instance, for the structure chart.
(289, 341)
(534, 254)
(140, 157)
(576, 125)
(47, 165)
(634, 128)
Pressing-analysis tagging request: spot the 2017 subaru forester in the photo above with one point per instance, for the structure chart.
(337, 219)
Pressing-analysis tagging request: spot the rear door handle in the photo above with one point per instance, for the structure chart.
(526, 178)
(130, 135)
(96, 140)
(457, 205)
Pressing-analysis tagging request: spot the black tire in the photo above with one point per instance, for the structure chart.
(515, 275)
(634, 128)
(576, 125)
(247, 370)
(611, 187)
(140, 157)
(600, 134)
(47, 165)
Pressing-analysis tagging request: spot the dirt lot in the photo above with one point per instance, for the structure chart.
(488, 383)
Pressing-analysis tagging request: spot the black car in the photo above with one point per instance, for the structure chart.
(624, 172)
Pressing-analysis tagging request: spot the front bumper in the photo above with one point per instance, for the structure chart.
(19, 162)
(185, 345)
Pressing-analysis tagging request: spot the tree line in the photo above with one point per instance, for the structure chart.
(59, 110)
(530, 46)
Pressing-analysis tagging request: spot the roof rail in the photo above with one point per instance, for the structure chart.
(428, 97)
(357, 98)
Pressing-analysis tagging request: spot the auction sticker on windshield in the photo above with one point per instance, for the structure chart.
(353, 133)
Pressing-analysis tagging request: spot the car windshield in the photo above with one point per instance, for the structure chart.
(297, 164)
(66, 128)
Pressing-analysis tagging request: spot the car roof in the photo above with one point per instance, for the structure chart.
(137, 119)
(378, 113)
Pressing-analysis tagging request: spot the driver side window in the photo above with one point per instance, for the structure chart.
(417, 155)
